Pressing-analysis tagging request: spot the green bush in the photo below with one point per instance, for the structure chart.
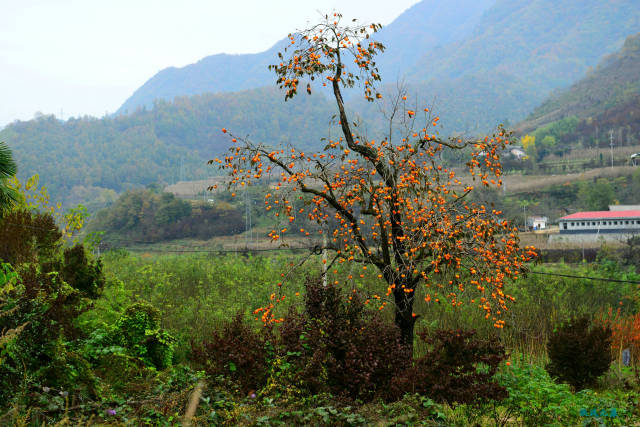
(138, 330)
(39, 305)
(535, 399)
(82, 274)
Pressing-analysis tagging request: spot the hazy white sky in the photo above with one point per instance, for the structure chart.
(79, 57)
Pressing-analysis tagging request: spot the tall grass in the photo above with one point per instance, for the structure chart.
(196, 292)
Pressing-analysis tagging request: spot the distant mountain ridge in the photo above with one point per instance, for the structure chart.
(169, 143)
(483, 62)
(213, 74)
(424, 25)
(522, 50)
(615, 81)
(601, 108)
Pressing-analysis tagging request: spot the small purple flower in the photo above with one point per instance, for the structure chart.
(111, 411)
(253, 395)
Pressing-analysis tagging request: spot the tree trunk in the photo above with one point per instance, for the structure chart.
(404, 317)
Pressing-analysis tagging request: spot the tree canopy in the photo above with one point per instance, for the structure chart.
(385, 203)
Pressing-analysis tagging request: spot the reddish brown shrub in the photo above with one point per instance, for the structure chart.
(237, 351)
(459, 368)
(339, 346)
(580, 352)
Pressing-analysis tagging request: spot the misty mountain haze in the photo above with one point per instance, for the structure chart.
(423, 26)
(480, 63)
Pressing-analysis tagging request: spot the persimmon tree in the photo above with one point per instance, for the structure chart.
(386, 203)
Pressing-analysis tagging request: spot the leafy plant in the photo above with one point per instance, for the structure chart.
(579, 352)
(236, 351)
(138, 330)
(458, 368)
(536, 399)
(38, 309)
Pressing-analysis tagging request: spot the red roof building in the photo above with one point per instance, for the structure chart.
(624, 222)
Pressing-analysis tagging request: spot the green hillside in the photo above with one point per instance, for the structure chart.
(614, 84)
(81, 158)
(602, 107)
(523, 50)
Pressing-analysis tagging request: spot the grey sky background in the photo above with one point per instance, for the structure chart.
(85, 57)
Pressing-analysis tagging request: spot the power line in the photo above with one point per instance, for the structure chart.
(296, 248)
(218, 251)
(604, 279)
(123, 240)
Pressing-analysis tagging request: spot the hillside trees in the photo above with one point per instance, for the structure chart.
(148, 216)
(596, 196)
(385, 203)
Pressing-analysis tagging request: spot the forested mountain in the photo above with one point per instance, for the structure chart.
(614, 83)
(478, 63)
(81, 158)
(602, 106)
(474, 63)
(423, 26)
(215, 73)
(517, 54)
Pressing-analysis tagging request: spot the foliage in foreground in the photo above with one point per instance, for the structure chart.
(159, 398)
(580, 352)
(345, 349)
(131, 392)
(42, 291)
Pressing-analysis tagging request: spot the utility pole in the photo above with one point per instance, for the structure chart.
(611, 145)
(247, 217)
(182, 177)
(324, 256)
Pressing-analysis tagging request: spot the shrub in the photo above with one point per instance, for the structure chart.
(458, 368)
(579, 352)
(38, 309)
(82, 274)
(138, 330)
(236, 351)
(334, 345)
(337, 345)
(27, 237)
(535, 399)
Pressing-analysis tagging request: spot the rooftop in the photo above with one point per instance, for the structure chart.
(603, 215)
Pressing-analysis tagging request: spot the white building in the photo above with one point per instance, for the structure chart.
(618, 221)
(537, 222)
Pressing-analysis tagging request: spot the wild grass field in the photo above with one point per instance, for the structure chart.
(197, 296)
